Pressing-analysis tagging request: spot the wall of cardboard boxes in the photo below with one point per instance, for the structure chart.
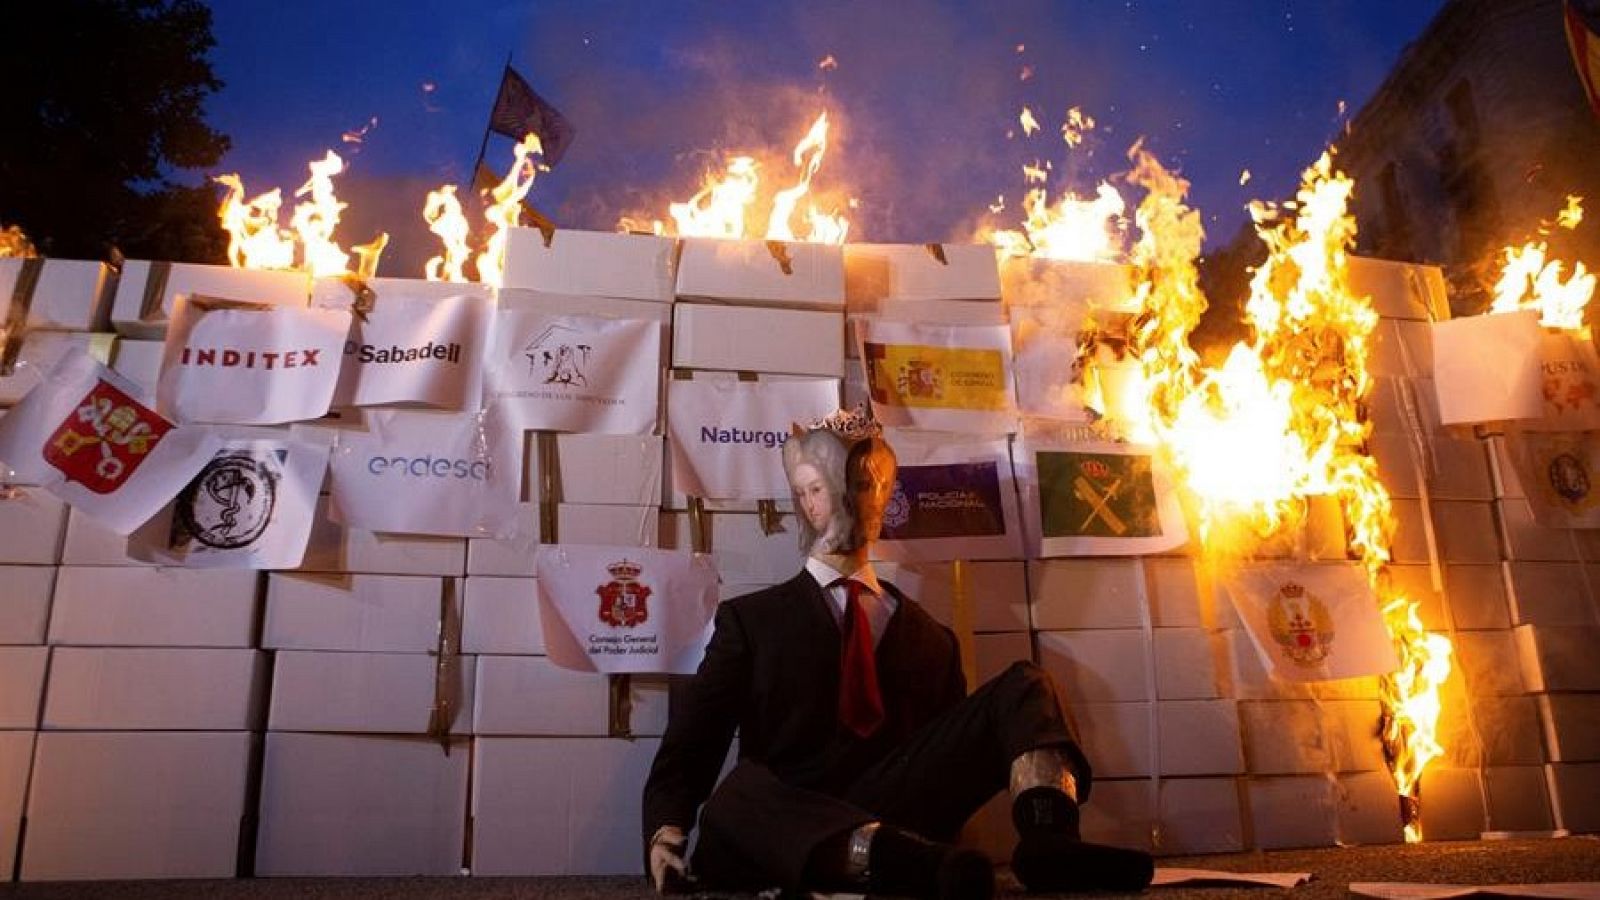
(161, 722)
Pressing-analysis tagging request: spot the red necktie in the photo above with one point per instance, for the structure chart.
(860, 702)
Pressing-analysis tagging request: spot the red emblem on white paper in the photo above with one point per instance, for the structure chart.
(622, 600)
(105, 439)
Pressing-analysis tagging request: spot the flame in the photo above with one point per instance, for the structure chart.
(256, 241)
(315, 218)
(1029, 123)
(444, 217)
(1074, 228)
(1244, 178)
(14, 244)
(1411, 705)
(505, 212)
(723, 208)
(1076, 126)
(1530, 280)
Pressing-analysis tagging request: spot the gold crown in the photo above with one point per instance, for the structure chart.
(851, 425)
(1292, 589)
(623, 570)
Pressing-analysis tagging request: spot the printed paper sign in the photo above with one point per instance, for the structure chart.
(250, 363)
(1313, 622)
(1470, 391)
(250, 507)
(943, 377)
(86, 436)
(429, 473)
(726, 436)
(1569, 383)
(1560, 473)
(625, 609)
(952, 499)
(577, 373)
(1099, 499)
(417, 350)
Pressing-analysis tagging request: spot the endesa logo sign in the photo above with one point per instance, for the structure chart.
(430, 466)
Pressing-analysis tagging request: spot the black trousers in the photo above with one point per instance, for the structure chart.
(756, 831)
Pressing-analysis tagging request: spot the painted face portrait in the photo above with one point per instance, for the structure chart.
(840, 490)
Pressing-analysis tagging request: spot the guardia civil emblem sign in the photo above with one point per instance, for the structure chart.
(1300, 624)
(623, 598)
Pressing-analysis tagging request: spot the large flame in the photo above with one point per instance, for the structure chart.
(1082, 229)
(505, 209)
(442, 210)
(725, 205)
(254, 239)
(317, 215)
(15, 244)
(1531, 280)
(257, 241)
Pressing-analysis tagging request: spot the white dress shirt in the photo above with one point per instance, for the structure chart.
(878, 603)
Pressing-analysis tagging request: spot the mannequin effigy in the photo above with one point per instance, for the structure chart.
(861, 752)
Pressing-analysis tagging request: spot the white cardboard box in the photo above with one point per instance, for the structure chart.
(142, 307)
(1571, 726)
(1466, 531)
(1558, 659)
(381, 613)
(25, 603)
(115, 606)
(994, 653)
(136, 805)
(1087, 593)
(368, 693)
(1189, 664)
(997, 589)
(874, 273)
(762, 272)
(602, 468)
(1518, 799)
(89, 543)
(622, 526)
(753, 339)
(154, 689)
(334, 293)
(592, 263)
(1292, 811)
(1116, 739)
(501, 617)
(1368, 809)
(1200, 815)
(1452, 804)
(528, 696)
(16, 760)
(1198, 737)
(1477, 595)
(556, 304)
(21, 686)
(1302, 737)
(1105, 666)
(1551, 594)
(1400, 290)
(1525, 539)
(40, 352)
(1121, 813)
(558, 806)
(1488, 661)
(508, 557)
(1487, 730)
(31, 524)
(362, 805)
(333, 547)
(741, 551)
(932, 312)
(70, 295)
(1575, 794)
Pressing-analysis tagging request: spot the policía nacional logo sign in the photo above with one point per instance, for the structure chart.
(624, 601)
(945, 501)
(1300, 624)
(105, 439)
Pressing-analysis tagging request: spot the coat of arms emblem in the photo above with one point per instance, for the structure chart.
(105, 439)
(1301, 625)
(559, 355)
(622, 599)
(920, 378)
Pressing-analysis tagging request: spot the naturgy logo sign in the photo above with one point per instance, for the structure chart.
(711, 434)
(429, 466)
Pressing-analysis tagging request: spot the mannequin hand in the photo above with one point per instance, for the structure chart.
(667, 867)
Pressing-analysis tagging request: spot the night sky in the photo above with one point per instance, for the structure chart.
(922, 97)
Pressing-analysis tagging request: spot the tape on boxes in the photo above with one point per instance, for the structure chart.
(530, 796)
(136, 805)
(154, 689)
(58, 294)
(21, 686)
(371, 693)
(996, 590)
(147, 290)
(361, 805)
(751, 339)
(100, 606)
(25, 603)
(365, 613)
(591, 264)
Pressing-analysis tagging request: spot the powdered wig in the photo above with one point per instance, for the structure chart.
(832, 456)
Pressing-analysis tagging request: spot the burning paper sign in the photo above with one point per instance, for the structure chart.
(625, 609)
(1313, 622)
(1569, 372)
(940, 377)
(250, 363)
(250, 507)
(577, 373)
(951, 500)
(85, 436)
(726, 436)
(1098, 499)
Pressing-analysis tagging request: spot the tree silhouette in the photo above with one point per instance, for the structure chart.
(101, 107)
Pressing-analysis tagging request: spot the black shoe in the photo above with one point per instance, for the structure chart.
(905, 863)
(1045, 809)
(1049, 863)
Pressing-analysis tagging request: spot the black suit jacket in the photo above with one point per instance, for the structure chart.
(771, 671)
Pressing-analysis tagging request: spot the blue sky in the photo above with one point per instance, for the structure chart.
(923, 95)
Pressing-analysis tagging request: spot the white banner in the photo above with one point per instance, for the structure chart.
(1470, 391)
(429, 473)
(939, 377)
(576, 373)
(1097, 499)
(1313, 622)
(88, 436)
(954, 498)
(251, 507)
(250, 363)
(418, 350)
(725, 436)
(625, 609)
